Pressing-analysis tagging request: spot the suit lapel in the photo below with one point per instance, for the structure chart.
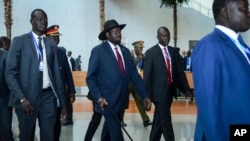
(232, 46)
(107, 48)
(170, 50)
(171, 53)
(159, 53)
(47, 49)
(33, 47)
(113, 57)
(109, 51)
(125, 57)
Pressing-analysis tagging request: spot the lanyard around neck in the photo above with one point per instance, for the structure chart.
(36, 45)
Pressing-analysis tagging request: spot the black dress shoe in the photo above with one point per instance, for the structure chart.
(68, 122)
(147, 123)
(123, 123)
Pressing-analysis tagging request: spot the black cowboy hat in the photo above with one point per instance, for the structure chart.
(110, 24)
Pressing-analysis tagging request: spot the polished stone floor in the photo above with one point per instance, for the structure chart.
(183, 118)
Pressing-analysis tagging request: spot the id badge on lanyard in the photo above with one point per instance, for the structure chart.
(41, 64)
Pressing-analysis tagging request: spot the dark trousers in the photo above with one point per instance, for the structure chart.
(162, 122)
(93, 125)
(45, 110)
(58, 125)
(111, 130)
(139, 104)
(5, 122)
(69, 107)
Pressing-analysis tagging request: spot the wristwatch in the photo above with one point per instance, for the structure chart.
(22, 100)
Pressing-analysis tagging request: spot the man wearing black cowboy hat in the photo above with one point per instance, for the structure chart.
(110, 69)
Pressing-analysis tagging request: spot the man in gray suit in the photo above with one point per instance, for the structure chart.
(33, 76)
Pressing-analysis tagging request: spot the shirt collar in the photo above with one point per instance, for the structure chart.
(36, 36)
(161, 46)
(229, 32)
(113, 46)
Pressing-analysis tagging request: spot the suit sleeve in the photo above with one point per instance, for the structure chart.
(181, 80)
(91, 79)
(68, 73)
(56, 75)
(206, 74)
(4, 90)
(12, 69)
(147, 73)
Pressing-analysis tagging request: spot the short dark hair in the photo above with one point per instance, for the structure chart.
(162, 28)
(218, 5)
(4, 39)
(32, 16)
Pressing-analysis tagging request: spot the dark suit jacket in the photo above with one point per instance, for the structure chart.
(73, 64)
(221, 77)
(155, 73)
(65, 71)
(22, 70)
(104, 78)
(4, 90)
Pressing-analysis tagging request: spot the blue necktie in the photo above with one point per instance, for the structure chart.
(245, 46)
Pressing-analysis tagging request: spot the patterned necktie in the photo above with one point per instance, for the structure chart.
(168, 66)
(245, 46)
(40, 48)
(119, 59)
